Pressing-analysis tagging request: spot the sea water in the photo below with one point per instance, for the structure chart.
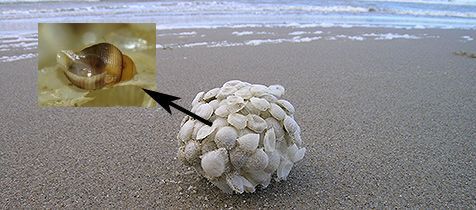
(24, 14)
(19, 18)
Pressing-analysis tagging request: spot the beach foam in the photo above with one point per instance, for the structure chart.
(342, 36)
(245, 33)
(23, 41)
(240, 13)
(302, 37)
(18, 31)
(187, 33)
(390, 36)
(242, 33)
(298, 33)
(17, 57)
(467, 38)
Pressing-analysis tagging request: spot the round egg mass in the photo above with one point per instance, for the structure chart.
(254, 136)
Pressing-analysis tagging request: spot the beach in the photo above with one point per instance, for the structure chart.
(388, 121)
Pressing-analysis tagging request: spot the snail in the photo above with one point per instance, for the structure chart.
(96, 66)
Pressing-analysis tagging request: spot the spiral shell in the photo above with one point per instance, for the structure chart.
(96, 66)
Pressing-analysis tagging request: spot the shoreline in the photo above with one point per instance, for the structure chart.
(386, 124)
(25, 47)
(436, 14)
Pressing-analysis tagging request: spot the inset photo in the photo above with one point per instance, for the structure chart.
(96, 64)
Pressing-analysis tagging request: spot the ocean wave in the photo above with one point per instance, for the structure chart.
(431, 13)
(11, 58)
(342, 36)
(184, 9)
(305, 36)
(219, 8)
(22, 41)
(467, 38)
(390, 36)
(40, 1)
(245, 14)
(195, 44)
(187, 33)
(441, 2)
(242, 33)
(294, 33)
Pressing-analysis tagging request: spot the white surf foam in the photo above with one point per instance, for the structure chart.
(390, 36)
(4, 59)
(242, 33)
(467, 38)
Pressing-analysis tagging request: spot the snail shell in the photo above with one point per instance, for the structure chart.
(96, 66)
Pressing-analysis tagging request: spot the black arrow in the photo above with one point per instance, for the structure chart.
(166, 102)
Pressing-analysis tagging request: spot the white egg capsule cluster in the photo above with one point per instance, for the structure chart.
(253, 136)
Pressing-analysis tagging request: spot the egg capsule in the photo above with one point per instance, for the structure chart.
(96, 66)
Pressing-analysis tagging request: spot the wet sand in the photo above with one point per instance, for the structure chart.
(385, 123)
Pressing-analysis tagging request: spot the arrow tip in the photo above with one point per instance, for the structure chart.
(166, 101)
(162, 99)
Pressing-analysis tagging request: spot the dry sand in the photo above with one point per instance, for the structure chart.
(386, 124)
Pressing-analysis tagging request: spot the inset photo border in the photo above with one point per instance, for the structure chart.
(96, 64)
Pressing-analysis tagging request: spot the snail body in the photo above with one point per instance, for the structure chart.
(96, 66)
